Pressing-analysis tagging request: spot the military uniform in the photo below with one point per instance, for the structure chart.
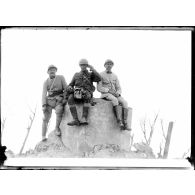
(53, 95)
(110, 82)
(110, 89)
(82, 81)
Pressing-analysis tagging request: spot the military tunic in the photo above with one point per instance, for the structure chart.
(54, 91)
(109, 81)
(84, 80)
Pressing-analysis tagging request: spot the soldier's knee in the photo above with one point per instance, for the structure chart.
(71, 100)
(86, 101)
(86, 104)
(124, 104)
(47, 114)
(46, 118)
(114, 101)
(59, 110)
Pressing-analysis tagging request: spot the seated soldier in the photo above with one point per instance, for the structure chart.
(81, 89)
(110, 89)
(53, 97)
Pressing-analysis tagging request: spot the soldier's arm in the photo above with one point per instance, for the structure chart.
(70, 87)
(72, 83)
(118, 87)
(96, 77)
(44, 94)
(100, 87)
(64, 85)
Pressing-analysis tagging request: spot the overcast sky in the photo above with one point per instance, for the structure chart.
(153, 67)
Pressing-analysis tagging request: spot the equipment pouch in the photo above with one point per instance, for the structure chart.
(78, 93)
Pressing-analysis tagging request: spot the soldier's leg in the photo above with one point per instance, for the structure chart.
(125, 112)
(86, 105)
(46, 118)
(117, 109)
(73, 111)
(59, 112)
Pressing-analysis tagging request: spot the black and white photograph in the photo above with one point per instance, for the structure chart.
(96, 96)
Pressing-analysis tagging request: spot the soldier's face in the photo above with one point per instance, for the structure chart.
(52, 72)
(108, 66)
(83, 66)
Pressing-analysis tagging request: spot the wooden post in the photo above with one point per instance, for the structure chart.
(168, 139)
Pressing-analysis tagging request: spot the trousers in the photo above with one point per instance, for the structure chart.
(53, 103)
(86, 99)
(115, 100)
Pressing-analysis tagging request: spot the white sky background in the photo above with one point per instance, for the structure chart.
(153, 68)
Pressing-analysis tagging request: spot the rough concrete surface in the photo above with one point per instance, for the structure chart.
(102, 138)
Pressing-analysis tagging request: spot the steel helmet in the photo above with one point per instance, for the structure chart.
(108, 61)
(51, 66)
(83, 61)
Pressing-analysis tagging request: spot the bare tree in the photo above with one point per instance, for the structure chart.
(162, 143)
(31, 119)
(162, 127)
(143, 128)
(160, 151)
(131, 140)
(152, 127)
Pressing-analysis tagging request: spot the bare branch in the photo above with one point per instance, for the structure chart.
(162, 127)
(31, 118)
(30, 109)
(144, 130)
(185, 153)
(152, 129)
(131, 140)
(160, 151)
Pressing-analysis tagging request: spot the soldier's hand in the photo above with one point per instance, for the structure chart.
(64, 101)
(112, 92)
(117, 94)
(70, 89)
(90, 67)
(44, 107)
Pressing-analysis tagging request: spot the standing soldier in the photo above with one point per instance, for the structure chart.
(81, 89)
(53, 97)
(110, 88)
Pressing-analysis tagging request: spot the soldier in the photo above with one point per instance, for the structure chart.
(53, 97)
(81, 89)
(110, 89)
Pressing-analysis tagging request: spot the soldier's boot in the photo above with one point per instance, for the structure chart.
(44, 130)
(84, 120)
(125, 116)
(75, 121)
(58, 121)
(119, 116)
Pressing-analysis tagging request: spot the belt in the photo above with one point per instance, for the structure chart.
(55, 93)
